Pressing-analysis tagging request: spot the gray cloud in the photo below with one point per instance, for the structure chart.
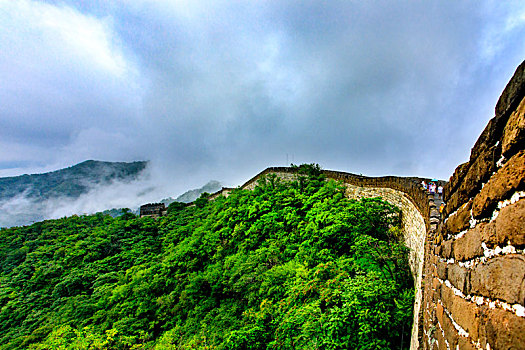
(224, 89)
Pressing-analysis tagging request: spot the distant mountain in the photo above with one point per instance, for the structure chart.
(69, 182)
(191, 195)
(23, 198)
(115, 213)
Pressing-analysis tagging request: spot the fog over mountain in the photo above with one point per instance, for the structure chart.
(191, 195)
(223, 89)
(85, 188)
(71, 182)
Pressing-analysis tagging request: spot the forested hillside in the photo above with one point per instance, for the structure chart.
(291, 265)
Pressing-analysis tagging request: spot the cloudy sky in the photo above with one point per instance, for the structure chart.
(223, 89)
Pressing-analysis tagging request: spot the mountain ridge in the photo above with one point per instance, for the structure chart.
(28, 198)
(71, 181)
(189, 196)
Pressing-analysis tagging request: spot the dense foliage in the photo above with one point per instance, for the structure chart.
(291, 265)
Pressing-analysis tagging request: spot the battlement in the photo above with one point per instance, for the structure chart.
(225, 191)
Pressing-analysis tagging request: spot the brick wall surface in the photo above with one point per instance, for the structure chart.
(474, 273)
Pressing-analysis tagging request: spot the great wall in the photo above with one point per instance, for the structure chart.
(469, 268)
(474, 269)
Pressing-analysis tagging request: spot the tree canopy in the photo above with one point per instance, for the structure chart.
(288, 265)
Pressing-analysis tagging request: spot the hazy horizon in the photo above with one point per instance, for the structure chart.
(36, 203)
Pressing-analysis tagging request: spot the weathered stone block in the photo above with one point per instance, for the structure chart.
(465, 313)
(510, 178)
(433, 259)
(501, 329)
(502, 278)
(436, 285)
(455, 180)
(514, 133)
(465, 344)
(439, 313)
(513, 92)
(459, 277)
(450, 332)
(481, 168)
(440, 341)
(442, 270)
(488, 233)
(436, 297)
(510, 224)
(459, 221)
(447, 250)
(456, 200)
(432, 271)
(468, 246)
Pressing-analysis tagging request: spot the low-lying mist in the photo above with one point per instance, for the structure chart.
(150, 185)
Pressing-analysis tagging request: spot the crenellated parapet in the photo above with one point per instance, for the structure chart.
(154, 210)
(474, 274)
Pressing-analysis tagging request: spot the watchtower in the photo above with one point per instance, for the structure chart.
(154, 210)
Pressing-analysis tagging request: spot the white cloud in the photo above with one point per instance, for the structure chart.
(99, 198)
(516, 17)
(32, 26)
(507, 20)
(62, 71)
(88, 38)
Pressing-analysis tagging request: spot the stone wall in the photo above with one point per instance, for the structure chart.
(414, 232)
(224, 191)
(474, 274)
